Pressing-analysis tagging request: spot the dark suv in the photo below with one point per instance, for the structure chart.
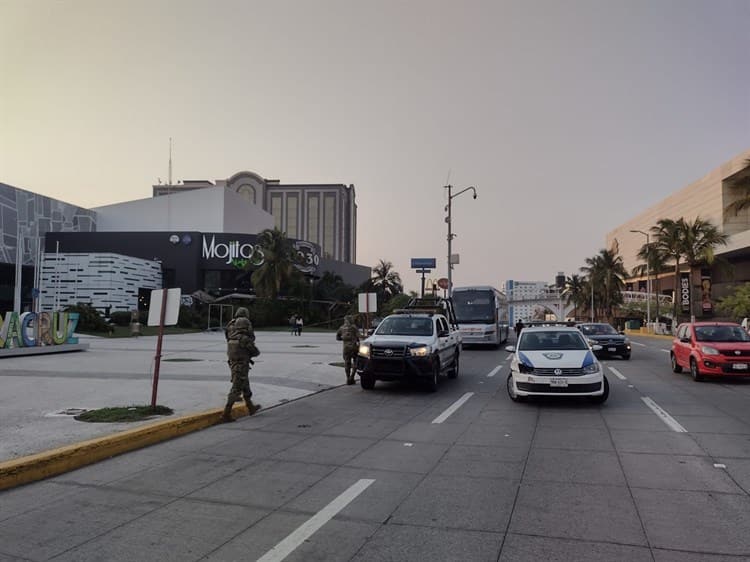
(612, 341)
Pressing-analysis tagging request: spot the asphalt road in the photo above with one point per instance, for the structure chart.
(660, 472)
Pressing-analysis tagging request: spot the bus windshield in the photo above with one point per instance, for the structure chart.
(474, 307)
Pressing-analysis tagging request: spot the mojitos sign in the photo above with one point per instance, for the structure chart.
(30, 329)
(241, 252)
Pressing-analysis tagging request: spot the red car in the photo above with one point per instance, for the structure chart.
(711, 349)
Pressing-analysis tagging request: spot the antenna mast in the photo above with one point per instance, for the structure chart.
(170, 160)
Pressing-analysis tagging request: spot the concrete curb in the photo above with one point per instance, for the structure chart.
(31, 468)
(656, 336)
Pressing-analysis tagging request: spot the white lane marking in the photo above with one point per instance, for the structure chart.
(618, 374)
(665, 350)
(309, 527)
(719, 465)
(494, 371)
(638, 344)
(672, 423)
(452, 408)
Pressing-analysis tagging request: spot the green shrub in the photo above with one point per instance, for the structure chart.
(120, 318)
(90, 320)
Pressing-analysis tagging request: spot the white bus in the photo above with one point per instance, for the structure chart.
(482, 315)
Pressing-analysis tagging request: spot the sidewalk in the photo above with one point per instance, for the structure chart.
(194, 377)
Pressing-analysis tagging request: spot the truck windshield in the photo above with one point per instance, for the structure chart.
(474, 307)
(405, 326)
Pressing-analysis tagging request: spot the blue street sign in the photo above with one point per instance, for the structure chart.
(423, 263)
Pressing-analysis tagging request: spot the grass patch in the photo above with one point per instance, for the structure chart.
(181, 360)
(123, 414)
(305, 346)
(124, 331)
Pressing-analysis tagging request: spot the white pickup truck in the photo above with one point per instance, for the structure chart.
(419, 342)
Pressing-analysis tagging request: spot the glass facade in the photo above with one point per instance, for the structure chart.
(329, 225)
(292, 215)
(276, 210)
(313, 218)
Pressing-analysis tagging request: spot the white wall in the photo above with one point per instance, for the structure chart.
(242, 217)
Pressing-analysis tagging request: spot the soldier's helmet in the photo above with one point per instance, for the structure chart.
(241, 312)
(347, 319)
(242, 324)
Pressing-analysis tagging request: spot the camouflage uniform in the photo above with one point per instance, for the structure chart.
(350, 336)
(240, 351)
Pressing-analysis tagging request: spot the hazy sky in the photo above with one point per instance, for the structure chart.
(569, 116)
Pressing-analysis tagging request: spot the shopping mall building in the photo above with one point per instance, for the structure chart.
(707, 198)
(200, 236)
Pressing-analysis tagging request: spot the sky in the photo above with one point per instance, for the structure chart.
(568, 116)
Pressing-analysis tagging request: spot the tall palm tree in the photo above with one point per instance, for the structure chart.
(385, 281)
(667, 241)
(607, 272)
(740, 183)
(699, 240)
(575, 292)
(657, 263)
(277, 269)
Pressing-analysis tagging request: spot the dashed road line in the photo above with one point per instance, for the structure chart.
(666, 350)
(309, 527)
(638, 344)
(494, 371)
(618, 374)
(672, 423)
(452, 408)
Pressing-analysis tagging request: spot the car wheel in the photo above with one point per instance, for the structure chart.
(432, 383)
(453, 373)
(603, 398)
(675, 366)
(694, 372)
(512, 391)
(367, 381)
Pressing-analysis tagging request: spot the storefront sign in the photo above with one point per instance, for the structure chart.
(31, 329)
(685, 292)
(244, 252)
(232, 251)
(707, 304)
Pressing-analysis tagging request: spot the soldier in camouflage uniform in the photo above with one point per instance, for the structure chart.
(350, 336)
(240, 352)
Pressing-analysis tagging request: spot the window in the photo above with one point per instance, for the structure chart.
(292, 214)
(313, 214)
(329, 225)
(276, 210)
(248, 192)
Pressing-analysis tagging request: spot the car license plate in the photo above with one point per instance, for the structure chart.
(611, 349)
(739, 366)
(558, 381)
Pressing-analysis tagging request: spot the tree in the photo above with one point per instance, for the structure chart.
(667, 241)
(607, 273)
(699, 240)
(657, 263)
(737, 304)
(277, 269)
(741, 182)
(385, 281)
(575, 292)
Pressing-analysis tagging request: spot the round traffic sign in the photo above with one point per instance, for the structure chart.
(443, 283)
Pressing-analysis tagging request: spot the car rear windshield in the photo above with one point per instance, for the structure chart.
(405, 326)
(597, 329)
(721, 333)
(543, 340)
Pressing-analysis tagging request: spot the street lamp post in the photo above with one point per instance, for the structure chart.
(451, 236)
(648, 276)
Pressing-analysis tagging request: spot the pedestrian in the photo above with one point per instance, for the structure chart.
(240, 352)
(299, 323)
(518, 328)
(293, 324)
(349, 334)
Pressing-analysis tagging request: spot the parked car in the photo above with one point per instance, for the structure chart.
(711, 349)
(554, 361)
(611, 341)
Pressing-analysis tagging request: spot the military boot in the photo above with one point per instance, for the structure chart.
(349, 377)
(251, 408)
(227, 415)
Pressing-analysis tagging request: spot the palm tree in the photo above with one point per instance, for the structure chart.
(385, 281)
(607, 272)
(667, 242)
(699, 240)
(277, 269)
(575, 291)
(740, 182)
(657, 262)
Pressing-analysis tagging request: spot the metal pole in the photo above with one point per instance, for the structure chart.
(450, 240)
(157, 359)
(648, 282)
(19, 272)
(592, 298)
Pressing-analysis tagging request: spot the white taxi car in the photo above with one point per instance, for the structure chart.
(555, 361)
